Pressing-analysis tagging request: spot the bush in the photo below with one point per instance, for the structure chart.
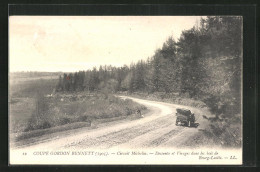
(64, 121)
(44, 125)
(227, 133)
(226, 124)
(35, 125)
(84, 118)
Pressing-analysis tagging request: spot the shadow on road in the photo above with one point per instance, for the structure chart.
(195, 125)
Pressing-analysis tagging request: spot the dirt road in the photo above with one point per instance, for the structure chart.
(156, 129)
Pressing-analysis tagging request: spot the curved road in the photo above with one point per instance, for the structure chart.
(156, 129)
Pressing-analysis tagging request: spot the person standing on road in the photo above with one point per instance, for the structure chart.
(139, 113)
(191, 119)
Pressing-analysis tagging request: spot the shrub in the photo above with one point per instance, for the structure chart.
(64, 121)
(226, 124)
(44, 125)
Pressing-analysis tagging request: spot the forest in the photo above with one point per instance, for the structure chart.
(205, 64)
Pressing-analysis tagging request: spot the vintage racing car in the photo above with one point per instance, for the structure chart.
(185, 117)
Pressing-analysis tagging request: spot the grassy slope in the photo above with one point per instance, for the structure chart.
(80, 107)
(63, 111)
(20, 111)
(77, 113)
(22, 90)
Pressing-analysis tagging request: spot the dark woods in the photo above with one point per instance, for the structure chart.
(204, 64)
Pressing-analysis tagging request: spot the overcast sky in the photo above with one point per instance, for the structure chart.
(70, 43)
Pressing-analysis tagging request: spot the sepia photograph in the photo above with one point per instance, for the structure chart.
(127, 90)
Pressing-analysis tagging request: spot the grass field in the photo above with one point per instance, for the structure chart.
(22, 91)
(28, 88)
(20, 111)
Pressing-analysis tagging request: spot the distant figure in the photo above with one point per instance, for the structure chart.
(191, 120)
(138, 112)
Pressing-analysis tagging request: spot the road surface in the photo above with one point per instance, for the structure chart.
(156, 129)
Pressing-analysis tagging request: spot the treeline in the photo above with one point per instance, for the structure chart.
(32, 74)
(204, 64)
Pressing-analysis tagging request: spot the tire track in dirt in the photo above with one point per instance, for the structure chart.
(164, 138)
(152, 138)
(125, 135)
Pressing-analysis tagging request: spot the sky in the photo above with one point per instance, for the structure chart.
(74, 43)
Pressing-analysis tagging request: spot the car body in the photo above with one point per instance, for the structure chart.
(184, 117)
